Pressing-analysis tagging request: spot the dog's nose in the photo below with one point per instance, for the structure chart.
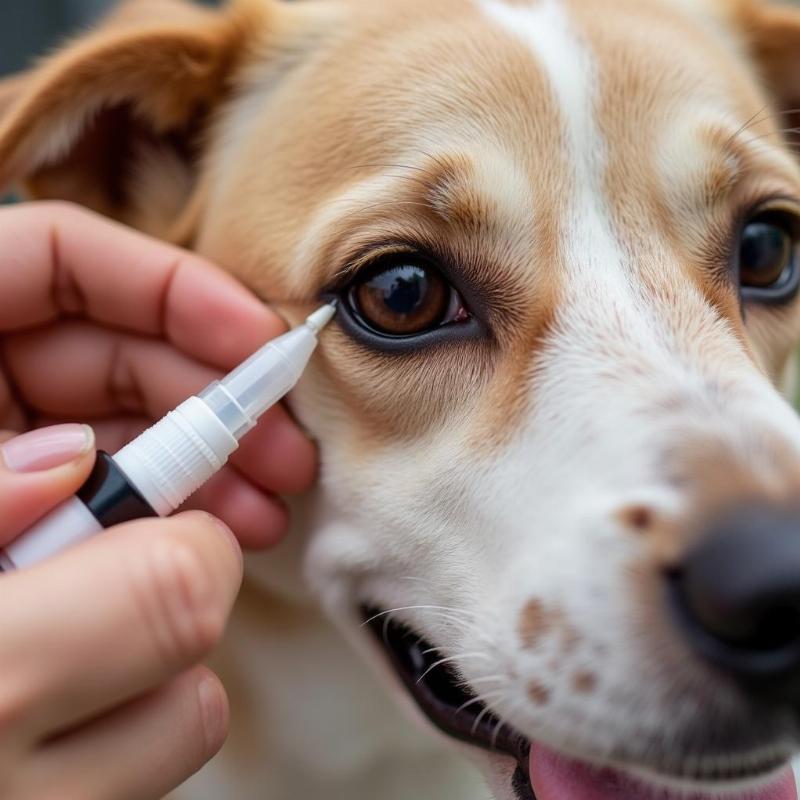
(737, 598)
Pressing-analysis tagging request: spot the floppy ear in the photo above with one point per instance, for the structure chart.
(115, 120)
(772, 32)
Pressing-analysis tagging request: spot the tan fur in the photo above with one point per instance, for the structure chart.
(94, 113)
(291, 143)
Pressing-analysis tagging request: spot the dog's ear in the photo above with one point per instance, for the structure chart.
(115, 120)
(772, 33)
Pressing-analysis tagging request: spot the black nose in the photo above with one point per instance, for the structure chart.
(737, 598)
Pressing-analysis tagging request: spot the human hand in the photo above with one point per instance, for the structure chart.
(101, 324)
(100, 697)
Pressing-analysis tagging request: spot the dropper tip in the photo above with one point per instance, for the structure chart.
(322, 316)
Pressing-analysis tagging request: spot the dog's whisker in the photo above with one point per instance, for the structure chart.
(385, 630)
(479, 718)
(783, 132)
(760, 116)
(455, 609)
(466, 626)
(456, 612)
(496, 733)
(450, 660)
(487, 697)
(750, 121)
(404, 608)
(488, 679)
(479, 654)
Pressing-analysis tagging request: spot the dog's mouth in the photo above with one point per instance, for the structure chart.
(446, 700)
(542, 774)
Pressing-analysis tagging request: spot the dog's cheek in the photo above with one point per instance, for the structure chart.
(498, 773)
(775, 332)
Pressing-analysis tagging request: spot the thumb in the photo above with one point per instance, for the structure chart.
(38, 470)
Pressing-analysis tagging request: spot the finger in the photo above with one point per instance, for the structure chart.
(172, 731)
(59, 259)
(38, 470)
(277, 456)
(141, 603)
(12, 415)
(257, 519)
(112, 435)
(77, 370)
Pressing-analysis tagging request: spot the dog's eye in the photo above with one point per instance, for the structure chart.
(767, 262)
(405, 296)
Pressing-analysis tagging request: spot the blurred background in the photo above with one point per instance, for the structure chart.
(31, 27)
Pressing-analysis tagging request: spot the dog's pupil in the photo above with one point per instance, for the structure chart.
(403, 299)
(765, 253)
(403, 288)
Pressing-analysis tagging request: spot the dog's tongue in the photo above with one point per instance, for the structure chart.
(555, 777)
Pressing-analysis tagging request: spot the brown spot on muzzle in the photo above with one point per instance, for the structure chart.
(539, 694)
(534, 623)
(537, 621)
(638, 518)
(584, 682)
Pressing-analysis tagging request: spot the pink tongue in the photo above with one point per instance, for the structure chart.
(555, 777)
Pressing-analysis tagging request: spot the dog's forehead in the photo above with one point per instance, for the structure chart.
(523, 94)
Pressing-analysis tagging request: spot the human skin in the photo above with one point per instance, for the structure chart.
(101, 645)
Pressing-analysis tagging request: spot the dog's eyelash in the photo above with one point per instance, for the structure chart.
(361, 258)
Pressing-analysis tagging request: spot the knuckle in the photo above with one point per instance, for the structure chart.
(61, 208)
(176, 593)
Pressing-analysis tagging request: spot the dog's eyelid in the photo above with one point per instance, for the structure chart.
(357, 260)
(777, 204)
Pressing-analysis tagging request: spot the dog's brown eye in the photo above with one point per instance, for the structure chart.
(766, 252)
(404, 297)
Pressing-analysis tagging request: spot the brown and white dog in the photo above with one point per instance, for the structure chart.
(553, 445)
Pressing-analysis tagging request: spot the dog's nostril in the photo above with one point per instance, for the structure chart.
(736, 596)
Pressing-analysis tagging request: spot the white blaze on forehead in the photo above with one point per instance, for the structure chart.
(570, 69)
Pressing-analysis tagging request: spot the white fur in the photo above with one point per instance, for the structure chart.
(459, 539)
(541, 515)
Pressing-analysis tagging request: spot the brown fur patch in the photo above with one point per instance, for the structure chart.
(584, 682)
(535, 622)
(538, 693)
(638, 518)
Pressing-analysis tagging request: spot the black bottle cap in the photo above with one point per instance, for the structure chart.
(110, 496)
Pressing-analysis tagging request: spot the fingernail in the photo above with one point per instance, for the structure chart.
(214, 713)
(47, 448)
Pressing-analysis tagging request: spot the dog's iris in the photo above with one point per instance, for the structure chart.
(766, 252)
(402, 298)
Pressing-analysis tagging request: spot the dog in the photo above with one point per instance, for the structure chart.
(553, 550)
